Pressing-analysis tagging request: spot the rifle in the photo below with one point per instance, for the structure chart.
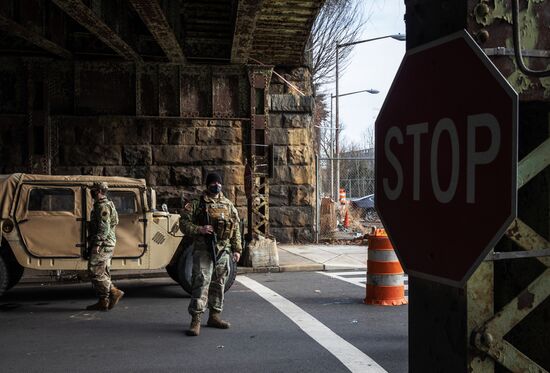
(211, 239)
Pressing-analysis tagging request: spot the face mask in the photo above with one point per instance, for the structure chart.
(215, 189)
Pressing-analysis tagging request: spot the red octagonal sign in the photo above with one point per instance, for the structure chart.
(446, 157)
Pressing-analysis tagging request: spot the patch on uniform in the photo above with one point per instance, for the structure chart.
(188, 207)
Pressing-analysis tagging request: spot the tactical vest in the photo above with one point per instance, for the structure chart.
(220, 218)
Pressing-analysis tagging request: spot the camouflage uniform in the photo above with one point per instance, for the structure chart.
(104, 219)
(207, 282)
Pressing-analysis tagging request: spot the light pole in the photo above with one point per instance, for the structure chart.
(332, 97)
(399, 37)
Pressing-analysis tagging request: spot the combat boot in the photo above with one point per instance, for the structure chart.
(215, 321)
(114, 296)
(101, 305)
(195, 327)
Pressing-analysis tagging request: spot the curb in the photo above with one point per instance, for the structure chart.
(303, 267)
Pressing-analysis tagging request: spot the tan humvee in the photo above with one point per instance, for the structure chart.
(44, 225)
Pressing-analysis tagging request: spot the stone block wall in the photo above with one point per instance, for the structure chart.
(174, 155)
(292, 188)
(168, 124)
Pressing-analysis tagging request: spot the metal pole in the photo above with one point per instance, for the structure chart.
(317, 200)
(337, 127)
(331, 151)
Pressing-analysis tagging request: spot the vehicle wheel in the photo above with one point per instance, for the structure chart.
(15, 273)
(231, 276)
(4, 276)
(185, 270)
(172, 271)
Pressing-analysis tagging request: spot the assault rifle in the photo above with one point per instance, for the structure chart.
(211, 239)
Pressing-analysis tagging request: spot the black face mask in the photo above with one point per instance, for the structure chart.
(214, 189)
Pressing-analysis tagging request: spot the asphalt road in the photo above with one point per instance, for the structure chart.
(45, 329)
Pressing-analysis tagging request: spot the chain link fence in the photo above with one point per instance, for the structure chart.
(345, 207)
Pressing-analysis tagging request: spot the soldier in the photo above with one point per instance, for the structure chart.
(102, 241)
(213, 221)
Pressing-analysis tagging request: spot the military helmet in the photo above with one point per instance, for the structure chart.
(100, 186)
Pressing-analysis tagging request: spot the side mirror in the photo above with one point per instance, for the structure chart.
(164, 207)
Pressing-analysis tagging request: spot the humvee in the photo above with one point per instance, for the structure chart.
(44, 222)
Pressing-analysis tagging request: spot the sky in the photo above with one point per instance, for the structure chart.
(372, 66)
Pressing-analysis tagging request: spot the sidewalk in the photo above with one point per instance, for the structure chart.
(321, 257)
(292, 258)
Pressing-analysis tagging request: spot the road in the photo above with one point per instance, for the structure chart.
(281, 322)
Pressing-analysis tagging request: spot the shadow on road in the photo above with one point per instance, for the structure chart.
(31, 298)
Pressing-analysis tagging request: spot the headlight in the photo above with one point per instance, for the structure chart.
(7, 227)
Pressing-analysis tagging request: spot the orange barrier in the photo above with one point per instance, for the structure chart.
(342, 196)
(385, 284)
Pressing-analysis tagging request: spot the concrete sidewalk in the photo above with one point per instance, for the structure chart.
(292, 258)
(321, 257)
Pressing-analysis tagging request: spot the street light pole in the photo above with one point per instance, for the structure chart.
(331, 152)
(399, 37)
(337, 125)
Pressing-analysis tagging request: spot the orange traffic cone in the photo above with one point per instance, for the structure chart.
(346, 220)
(385, 284)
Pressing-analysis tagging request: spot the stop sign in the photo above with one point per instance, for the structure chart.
(446, 157)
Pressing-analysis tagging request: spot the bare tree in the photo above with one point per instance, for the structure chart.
(367, 137)
(339, 21)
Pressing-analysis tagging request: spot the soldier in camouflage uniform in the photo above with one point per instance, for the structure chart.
(212, 216)
(102, 241)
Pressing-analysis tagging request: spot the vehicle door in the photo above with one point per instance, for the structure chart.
(49, 219)
(130, 231)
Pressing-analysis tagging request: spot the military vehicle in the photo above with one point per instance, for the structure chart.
(44, 222)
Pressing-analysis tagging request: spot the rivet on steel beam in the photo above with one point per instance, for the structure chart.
(482, 9)
(487, 339)
(482, 340)
(482, 36)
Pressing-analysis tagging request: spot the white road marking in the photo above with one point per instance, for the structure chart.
(353, 358)
(355, 280)
(359, 278)
(347, 273)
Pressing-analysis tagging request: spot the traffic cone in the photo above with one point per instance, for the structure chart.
(385, 282)
(346, 219)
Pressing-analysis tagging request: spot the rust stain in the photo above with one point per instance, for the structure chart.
(513, 231)
(525, 300)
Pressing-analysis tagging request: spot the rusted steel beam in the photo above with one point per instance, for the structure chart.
(78, 11)
(480, 307)
(512, 358)
(11, 27)
(245, 25)
(152, 15)
(273, 47)
(526, 238)
(490, 337)
(533, 163)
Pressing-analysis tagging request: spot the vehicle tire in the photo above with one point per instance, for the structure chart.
(15, 270)
(4, 276)
(172, 271)
(185, 270)
(15, 273)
